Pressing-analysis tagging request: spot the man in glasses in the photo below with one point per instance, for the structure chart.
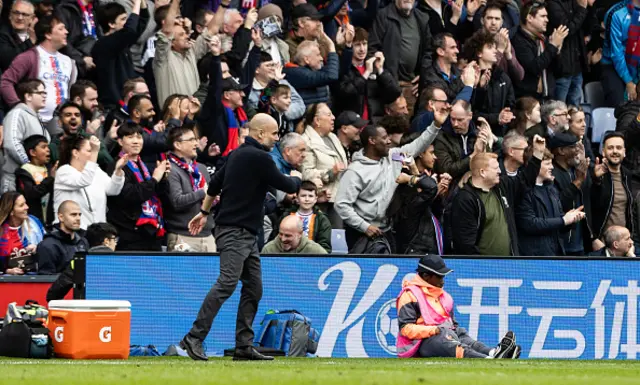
(188, 181)
(19, 35)
(514, 146)
(536, 52)
(556, 116)
(22, 122)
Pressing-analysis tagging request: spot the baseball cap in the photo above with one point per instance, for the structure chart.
(562, 139)
(350, 118)
(305, 10)
(433, 264)
(232, 84)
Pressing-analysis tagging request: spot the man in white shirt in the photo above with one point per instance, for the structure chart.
(57, 71)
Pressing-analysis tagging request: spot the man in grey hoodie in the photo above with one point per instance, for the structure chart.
(369, 182)
(20, 123)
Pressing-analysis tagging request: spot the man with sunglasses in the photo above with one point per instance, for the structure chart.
(555, 115)
(536, 52)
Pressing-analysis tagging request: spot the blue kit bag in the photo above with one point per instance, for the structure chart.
(288, 331)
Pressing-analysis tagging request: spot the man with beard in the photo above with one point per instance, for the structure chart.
(292, 240)
(70, 120)
(44, 8)
(611, 192)
(492, 22)
(556, 116)
(84, 93)
(141, 112)
(573, 181)
(58, 247)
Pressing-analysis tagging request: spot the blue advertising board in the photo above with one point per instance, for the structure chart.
(558, 308)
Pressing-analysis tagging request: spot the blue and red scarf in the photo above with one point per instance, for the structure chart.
(151, 214)
(197, 179)
(233, 127)
(88, 23)
(632, 51)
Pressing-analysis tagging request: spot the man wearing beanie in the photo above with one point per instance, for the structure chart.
(273, 45)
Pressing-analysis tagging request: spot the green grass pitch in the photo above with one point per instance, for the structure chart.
(320, 371)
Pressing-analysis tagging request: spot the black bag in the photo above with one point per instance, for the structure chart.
(25, 340)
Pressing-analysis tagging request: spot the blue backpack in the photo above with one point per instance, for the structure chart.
(288, 331)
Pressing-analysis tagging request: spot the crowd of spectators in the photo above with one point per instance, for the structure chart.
(417, 126)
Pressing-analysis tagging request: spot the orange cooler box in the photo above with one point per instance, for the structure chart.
(90, 329)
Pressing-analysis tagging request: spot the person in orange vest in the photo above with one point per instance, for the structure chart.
(426, 322)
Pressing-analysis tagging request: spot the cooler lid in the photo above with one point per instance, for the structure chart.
(92, 304)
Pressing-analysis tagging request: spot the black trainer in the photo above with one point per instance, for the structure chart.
(193, 347)
(249, 354)
(506, 346)
(516, 352)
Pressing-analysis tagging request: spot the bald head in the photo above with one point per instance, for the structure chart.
(67, 206)
(290, 232)
(69, 215)
(264, 129)
(618, 240)
(291, 223)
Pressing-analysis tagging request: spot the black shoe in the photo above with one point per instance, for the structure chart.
(516, 352)
(193, 347)
(506, 346)
(249, 354)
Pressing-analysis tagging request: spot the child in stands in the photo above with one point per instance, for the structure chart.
(275, 101)
(315, 223)
(34, 180)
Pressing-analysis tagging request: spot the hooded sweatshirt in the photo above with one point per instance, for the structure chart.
(367, 186)
(57, 249)
(410, 320)
(306, 246)
(20, 123)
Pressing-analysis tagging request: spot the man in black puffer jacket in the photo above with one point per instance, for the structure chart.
(58, 247)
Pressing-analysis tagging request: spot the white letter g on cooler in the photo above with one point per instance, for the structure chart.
(58, 334)
(105, 334)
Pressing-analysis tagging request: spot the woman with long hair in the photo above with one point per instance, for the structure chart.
(79, 179)
(528, 120)
(326, 159)
(20, 234)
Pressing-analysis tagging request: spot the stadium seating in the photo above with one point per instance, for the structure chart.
(594, 95)
(338, 242)
(603, 121)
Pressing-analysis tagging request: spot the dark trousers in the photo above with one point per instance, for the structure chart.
(612, 86)
(239, 261)
(448, 343)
